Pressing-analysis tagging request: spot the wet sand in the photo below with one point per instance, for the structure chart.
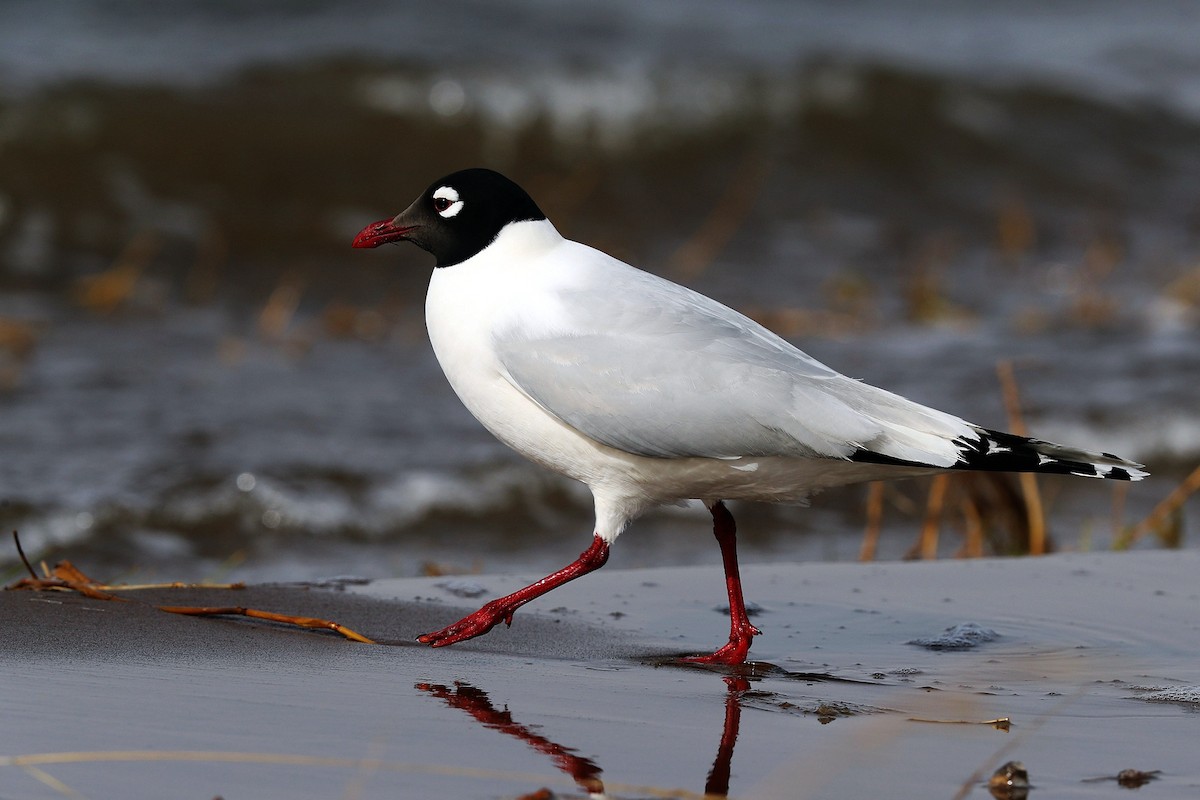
(106, 700)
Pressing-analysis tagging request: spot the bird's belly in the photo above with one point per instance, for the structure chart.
(772, 479)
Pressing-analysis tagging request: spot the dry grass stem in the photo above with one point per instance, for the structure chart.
(141, 587)
(695, 255)
(1016, 230)
(1017, 739)
(927, 544)
(1120, 494)
(276, 315)
(67, 577)
(21, 553)
(64, 577)
(212, 253)
(43, 777)
(870, 541)
(1160, 517)
(973, 520)
(1000, 723)
(271, 616)
(298, 760)
(1029, 485)
(105, 292)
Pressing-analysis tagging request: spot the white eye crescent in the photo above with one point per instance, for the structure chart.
(446, 202)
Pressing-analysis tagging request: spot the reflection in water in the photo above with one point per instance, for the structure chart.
(476, 703)
(1010, 782)
(584, 771)
(718, 777)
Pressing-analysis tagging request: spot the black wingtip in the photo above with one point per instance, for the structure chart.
(996, 451)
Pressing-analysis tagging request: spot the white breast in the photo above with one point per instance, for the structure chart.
(512, 282)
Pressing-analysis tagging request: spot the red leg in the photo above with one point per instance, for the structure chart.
(492, 613)
(741, 632)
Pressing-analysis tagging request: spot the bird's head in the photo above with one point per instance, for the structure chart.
(456, 217)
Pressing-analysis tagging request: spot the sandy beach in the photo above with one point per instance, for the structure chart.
(1095, 664)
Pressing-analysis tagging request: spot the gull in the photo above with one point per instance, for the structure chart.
(650, 393)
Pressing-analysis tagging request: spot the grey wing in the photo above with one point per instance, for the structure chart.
(670, 373)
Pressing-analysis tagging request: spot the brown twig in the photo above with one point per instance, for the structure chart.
(64, 577)
(254, 613)
(1000, 723)
(67, 577)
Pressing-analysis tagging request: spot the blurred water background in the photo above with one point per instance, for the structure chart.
(198, 376)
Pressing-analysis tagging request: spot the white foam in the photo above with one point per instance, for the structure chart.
(611, 108)
(963, 636)
(1179, 694)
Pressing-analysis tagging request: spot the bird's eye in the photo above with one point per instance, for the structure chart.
(446, 202)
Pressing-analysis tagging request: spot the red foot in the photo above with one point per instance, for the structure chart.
(502, 609)
(731, 654)
(472, 625)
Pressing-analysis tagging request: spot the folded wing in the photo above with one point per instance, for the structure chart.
(670, 373)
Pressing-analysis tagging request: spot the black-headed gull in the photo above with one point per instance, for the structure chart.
(650, 393)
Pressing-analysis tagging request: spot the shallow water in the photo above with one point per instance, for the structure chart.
(167, 457)
(580, 690)
(910, 200)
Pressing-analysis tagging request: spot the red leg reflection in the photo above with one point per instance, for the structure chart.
(476, 703)
(718, 777)
(502, 609)
(741, 632)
